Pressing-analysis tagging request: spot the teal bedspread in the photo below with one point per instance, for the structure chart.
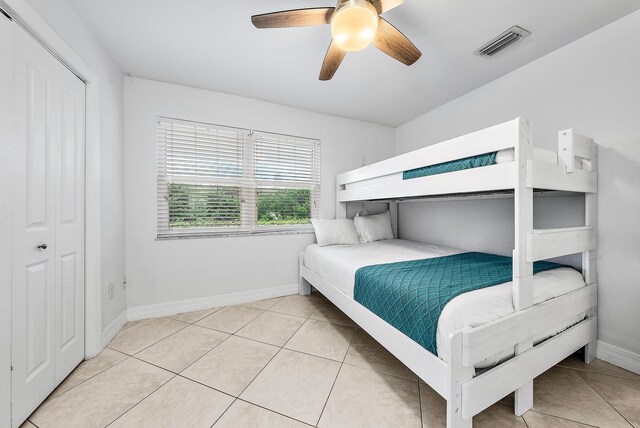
(411, 295)
(451, 166)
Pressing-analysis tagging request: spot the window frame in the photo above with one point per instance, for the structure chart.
(248, 185)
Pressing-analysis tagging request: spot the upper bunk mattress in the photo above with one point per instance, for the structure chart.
(478, 161)
(338, 265)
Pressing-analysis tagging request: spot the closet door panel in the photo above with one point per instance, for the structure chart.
(38, 278)
(33, 262)
(69, 343)
(39, 137)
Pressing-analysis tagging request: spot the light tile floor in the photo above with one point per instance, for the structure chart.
(298, 362)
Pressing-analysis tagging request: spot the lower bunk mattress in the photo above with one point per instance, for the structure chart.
(338, 265)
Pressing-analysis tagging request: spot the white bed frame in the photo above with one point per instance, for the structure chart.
(454, 379)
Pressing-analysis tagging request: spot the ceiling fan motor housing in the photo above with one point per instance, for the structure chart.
(351, 3)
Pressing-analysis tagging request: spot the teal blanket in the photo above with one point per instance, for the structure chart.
(411, 295)
(451, 166)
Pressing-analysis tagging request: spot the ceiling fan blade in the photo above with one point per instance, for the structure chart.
(395, 44)
(294, 18)
(385, 5)
(332, 61)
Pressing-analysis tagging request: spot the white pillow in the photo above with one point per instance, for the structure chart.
(374, 227)
(335, 232)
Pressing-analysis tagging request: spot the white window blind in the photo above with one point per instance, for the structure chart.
(215, 180)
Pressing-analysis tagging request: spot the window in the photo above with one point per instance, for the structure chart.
(215, 180)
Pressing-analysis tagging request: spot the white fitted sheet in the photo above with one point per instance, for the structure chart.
(338, 265)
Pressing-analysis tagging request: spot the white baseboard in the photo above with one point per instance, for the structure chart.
(113, 328)
(617, 356)
(172, 308)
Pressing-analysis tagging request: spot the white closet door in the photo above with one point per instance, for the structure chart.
(69, 254)
(48, 224)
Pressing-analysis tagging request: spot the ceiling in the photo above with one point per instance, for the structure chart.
(213, 45)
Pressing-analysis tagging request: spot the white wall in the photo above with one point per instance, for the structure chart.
(64, 20)
(592, 85)
(175, 270)
(486, 224)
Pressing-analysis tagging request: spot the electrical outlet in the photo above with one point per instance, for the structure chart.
(110, 291)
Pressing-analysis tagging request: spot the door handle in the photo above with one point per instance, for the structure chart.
(42, 246)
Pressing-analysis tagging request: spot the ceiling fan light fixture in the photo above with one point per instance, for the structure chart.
(354, 25)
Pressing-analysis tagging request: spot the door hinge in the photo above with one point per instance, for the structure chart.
(6, 14)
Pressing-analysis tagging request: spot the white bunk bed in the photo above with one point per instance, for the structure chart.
(574, 169)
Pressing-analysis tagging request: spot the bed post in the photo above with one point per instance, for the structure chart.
(304, 288)
(458, 375)
(341, 207)
(393, 210)
(523, 270)
(572, 145)
(589, 258)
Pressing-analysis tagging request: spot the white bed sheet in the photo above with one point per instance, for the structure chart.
(338, 265)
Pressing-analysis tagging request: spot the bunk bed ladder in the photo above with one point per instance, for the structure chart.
(533, 245)
(588, 151)
(573, 148)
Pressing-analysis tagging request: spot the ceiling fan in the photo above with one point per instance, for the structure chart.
(355, 24)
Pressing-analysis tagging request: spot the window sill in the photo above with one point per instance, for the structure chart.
(301, 231)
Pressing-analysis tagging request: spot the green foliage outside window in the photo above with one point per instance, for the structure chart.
(204, 206)
(284, 206)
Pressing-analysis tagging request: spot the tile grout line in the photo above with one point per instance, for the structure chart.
(561, 417)
(420, 403)
(154, 343)
(390, 374)
(243, 326)
(324, 358)
(521, 417)
(235, 398)
(127, 356)
(204, 384)
(606, 401)
(273, 411)
(31, 422)
(267, 343)
(600, 373)
(214, 310)
(336, 378)
(329, 395)
(147, 396)
(319, 356)
(294, 333)
(154, 365)
(204, 355)
(264, 309)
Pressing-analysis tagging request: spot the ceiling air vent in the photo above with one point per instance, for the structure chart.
(500, 42)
